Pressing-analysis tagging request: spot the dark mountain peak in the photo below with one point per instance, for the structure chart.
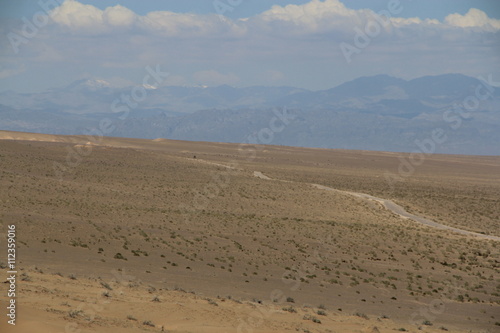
(452, 85)
(444, 78)
(366, 86)
(380, 79)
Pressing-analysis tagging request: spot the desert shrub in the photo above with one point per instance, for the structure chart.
(119, 256)
(106, 285)
(75, 313)
(361, 315)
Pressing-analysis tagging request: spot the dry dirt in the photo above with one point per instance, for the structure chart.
(104, 230)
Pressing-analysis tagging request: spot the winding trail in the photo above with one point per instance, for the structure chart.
(396, 209)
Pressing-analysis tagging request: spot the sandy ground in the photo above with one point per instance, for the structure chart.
(210, 235)
(52, 303)
(396, 209)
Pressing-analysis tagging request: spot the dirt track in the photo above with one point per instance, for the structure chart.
(396, 209)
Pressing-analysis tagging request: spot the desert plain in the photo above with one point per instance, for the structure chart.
(133, 235)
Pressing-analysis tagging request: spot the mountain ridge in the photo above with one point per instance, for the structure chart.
(376, 113)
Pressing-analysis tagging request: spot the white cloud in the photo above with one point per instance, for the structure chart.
(314, 16)
(188, 25)
(473, 18)
(79, 17)
(332, 15)
(400, 21)
(214, 78)
(309, 13)
(89, 20)
(119, 16)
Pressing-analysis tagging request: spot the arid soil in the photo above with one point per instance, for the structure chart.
(126, 235)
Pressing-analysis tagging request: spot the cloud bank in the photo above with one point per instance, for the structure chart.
(288, 45)
(310, 18)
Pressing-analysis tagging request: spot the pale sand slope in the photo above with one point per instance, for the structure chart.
(10, 135)
(53, 303)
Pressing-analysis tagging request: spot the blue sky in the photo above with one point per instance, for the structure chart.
(420, 8)
(437, 9)
(304, 43)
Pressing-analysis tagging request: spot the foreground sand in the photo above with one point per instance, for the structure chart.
(53, 303)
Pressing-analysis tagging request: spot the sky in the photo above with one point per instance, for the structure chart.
(312, 44)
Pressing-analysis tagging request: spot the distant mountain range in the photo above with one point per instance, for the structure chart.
(372, 113)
